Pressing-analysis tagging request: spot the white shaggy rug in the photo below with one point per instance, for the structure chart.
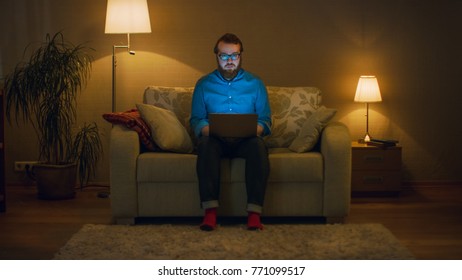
(288, 242)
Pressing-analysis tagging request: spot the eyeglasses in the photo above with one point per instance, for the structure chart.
(225, 57)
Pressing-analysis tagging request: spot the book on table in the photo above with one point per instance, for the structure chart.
(382, 142)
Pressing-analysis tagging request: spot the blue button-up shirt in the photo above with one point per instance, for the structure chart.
(245, 94)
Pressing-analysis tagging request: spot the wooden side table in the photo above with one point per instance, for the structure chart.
(375, 170)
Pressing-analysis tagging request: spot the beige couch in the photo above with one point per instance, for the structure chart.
(315, 183)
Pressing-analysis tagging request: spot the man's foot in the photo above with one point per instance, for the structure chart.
(210, 220)
(253, 221)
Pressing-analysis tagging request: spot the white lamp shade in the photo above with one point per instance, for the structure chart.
(368, 90)
(127, 16)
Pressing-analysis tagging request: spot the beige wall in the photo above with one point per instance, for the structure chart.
(413, 47)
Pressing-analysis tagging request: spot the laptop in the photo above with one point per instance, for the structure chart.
(233, 125)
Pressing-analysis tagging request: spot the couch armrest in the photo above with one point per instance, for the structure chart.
(336, 151)
(124, 151)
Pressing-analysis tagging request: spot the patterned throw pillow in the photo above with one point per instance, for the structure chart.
(175, 99)
(168, 133)
(132, 120)
(311, 130)
(290, 108)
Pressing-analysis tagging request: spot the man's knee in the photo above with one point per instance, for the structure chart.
(208, 145)
(259, 144)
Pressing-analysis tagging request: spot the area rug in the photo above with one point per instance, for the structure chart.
(234, 242)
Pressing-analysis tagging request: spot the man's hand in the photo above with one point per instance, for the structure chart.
(205, 131)
(259, 130)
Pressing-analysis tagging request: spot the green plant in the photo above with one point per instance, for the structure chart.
(43, 92)
(86, 150)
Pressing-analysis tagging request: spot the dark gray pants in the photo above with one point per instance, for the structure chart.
(210, 152)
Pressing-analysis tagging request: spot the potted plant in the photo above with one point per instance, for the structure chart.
(43, 92)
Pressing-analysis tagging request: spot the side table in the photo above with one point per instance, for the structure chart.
(375, 170)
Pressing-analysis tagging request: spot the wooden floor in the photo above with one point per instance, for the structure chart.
(427, 220)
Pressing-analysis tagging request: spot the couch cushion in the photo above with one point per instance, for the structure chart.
(168, 133)
(290, 108)
(285, 166)
(176, 99)
(172, 167)
(311, 130)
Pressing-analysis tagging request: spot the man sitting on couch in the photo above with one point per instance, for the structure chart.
(230, 89)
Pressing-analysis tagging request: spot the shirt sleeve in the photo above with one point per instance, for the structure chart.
(198, 117)
(262, 107)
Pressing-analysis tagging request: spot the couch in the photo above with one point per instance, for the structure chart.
(309, 179)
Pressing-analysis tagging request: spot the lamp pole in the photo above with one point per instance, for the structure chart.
(367, 137)
(114, 66)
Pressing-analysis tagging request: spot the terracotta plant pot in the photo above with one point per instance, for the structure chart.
(55, 181)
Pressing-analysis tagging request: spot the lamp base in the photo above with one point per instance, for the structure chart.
(367, 138)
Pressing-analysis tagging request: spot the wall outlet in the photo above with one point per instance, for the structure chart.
(23, 165)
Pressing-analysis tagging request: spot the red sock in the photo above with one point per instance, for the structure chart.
(253, 221)
(210, 219)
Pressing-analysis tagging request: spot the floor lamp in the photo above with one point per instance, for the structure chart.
(125, 17)
(368, 91)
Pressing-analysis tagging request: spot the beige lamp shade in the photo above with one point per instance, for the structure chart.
(368, 90)
(127, 17)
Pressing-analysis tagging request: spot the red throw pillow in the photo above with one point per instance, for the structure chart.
(132, 120)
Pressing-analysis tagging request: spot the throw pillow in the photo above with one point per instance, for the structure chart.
(132, 120)
(290, 108)
(166, 130)
(311, 129)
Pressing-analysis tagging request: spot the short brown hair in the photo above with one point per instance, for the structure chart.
(229, 38)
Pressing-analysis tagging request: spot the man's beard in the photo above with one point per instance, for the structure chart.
(229, 74)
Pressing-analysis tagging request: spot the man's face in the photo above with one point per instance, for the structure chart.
(228, 59)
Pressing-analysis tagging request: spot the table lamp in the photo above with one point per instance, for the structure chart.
(368, 91)
(125, 17)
